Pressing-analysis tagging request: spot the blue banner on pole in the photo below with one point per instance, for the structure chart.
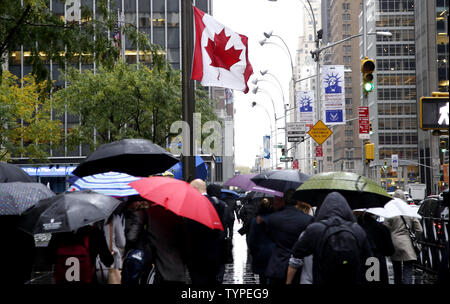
(266, 145)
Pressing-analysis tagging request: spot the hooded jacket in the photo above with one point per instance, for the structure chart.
(333, 211)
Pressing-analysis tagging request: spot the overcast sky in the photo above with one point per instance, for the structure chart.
(252, 18)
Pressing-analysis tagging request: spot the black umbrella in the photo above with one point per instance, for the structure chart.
(137, 157)
(280, 180)
(16, 197)
(12, 173)
(68, 211)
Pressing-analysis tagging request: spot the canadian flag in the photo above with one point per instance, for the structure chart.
(220, 55)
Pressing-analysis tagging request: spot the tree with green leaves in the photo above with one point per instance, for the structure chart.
(47, 36)
(26, 127)
(126, 101)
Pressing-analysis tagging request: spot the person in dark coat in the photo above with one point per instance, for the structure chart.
(97, 245)
(259, 244)
(18, 254)
(380, 242)
(247, 213)
(284, 227)
(204, 247)
(333, 210)
(162, 230)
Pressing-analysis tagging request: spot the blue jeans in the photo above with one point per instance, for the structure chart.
(403, 275)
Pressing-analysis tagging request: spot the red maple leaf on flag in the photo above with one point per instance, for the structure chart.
(220, 57)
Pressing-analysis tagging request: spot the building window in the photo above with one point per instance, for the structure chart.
(349, 154)
(346, 17)
(348, 132)
(329, 158)
(346, 28)
(347, 48)
(349, 165)
(345, 6)
(348, 101)
(347, 59)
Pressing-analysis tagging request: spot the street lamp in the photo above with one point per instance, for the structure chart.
(254, 103)
(258, 89)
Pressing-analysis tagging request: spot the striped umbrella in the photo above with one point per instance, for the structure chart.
(109, 183)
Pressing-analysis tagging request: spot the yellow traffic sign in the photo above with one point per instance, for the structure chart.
(320, 132)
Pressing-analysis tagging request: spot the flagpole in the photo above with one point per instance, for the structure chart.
(188, 102)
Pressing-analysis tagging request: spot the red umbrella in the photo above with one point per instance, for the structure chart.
(180, 198)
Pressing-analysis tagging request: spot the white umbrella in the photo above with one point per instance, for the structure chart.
(395, 207)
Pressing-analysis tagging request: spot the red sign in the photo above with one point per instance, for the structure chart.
(295, 164)
(319, 151)
(364, 124)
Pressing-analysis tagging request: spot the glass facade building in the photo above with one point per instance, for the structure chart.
(392, 105)
(160, 20)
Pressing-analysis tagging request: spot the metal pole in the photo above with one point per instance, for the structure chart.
(364, 100)
(188, 104)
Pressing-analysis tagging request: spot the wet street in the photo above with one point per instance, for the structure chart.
(240, 272)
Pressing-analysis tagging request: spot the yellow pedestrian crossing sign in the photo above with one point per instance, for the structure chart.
(320, 132)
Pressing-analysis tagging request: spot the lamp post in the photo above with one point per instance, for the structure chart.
(254, 103)
(258, 89)
(255, 81)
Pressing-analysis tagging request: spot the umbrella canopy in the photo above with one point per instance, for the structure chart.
(180, 198)
(201, 169)
(17, 197)
(280, 180)
(68, 211)
(242, 181)
(12, 173)
(229, 193)
(359, 191)
(137, 157)
(109, 183)
(395, 207)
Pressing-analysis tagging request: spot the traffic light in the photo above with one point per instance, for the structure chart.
(385, 166)
(370, 151)
(283, 152)
(370, 128)
(314, 163)
(367, 68)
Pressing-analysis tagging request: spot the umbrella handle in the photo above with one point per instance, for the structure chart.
(356, 184)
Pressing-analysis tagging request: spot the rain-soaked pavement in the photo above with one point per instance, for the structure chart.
(239, 272)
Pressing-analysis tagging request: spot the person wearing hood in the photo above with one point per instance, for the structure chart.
(334, 212)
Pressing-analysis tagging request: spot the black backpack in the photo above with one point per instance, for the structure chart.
(339, 254)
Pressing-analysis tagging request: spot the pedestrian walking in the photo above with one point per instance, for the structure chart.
(380, 241)
(284, 227)
(338, 244)
(404, 255)
(305, 264)
(204, 247)
(162, 231)
(74, 254)
(259, 243)
(227, 218)
(138, 258)
(114, 230)
(18, 252)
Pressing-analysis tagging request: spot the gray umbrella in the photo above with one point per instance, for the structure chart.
(280, 180)
(12, 173)
(16, 197)
(67, 212)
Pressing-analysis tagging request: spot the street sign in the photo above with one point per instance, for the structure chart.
(286, 159)
(319, 153)
(320, 132)
(364, 124)
(295, 138)
(434, 113)
(295, 128)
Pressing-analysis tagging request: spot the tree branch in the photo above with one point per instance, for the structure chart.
(14, 30)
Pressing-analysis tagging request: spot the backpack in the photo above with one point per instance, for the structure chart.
(339, 255)
(74, 247)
